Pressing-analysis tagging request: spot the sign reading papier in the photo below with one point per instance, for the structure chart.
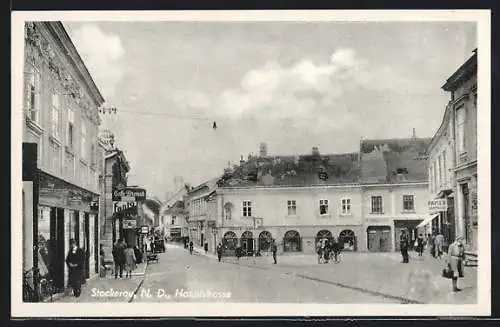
(129, 195)
(437, 205)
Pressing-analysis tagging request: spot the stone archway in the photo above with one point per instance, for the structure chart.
(246, 242)
(230, 241)
(265, 240)
(292, 242)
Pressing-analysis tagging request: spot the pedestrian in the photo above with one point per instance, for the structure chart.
(102, 269)
(403, 245)
(191, 246)
(439, 243)
(274, 250)
(138, 254)
(205, 246)
(456, 257)
(75, 262)
(119, 258)
(420, 245)
(326, 253)
(219, 251)
(319, 251)
(130, 260)
(335, 249)
(431, 244)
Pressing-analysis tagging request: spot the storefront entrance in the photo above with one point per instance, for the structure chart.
(379, 238)
(247, 242)
(55, 247)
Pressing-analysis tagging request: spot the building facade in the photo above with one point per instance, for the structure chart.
(173, 215)
(60, 108)
(394, 186)
(293, 200)
(462, 86)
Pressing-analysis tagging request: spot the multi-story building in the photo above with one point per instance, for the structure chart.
(294, 200)
(112, 213)
(441, 174)
(462, 86)
(201, 212)
(394, 190)
(174, 215)
(61, 116)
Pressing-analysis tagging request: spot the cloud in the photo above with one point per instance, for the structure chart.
(102, 53)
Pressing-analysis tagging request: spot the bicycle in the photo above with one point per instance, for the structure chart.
(45, 288)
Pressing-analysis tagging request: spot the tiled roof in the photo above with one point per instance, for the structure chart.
(394, 160)
(301, 170)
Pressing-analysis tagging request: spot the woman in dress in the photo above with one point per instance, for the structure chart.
(130, 260)
(456, 257)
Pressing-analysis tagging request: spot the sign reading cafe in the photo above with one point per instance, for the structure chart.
(129, 195)
(437, 205)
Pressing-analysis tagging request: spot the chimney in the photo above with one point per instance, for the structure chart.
(263, 150)
(414, 135)
(315, 151)
(242, 161)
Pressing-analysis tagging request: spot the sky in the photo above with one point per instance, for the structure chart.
(292, 85)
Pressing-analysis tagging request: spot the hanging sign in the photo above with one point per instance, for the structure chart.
(129, 195)
(129, 224)
(145, 230)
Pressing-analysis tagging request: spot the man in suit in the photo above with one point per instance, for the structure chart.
(119, 258)
(274, 249)
(75, 261)
(403, 245)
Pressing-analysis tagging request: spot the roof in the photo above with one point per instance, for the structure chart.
(300, 170)
(468, 69)
(153, 204)
(394, 160)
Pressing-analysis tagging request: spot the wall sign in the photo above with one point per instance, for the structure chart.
(437, 205)
(145, 230)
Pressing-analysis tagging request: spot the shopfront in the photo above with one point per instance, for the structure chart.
(64, 214)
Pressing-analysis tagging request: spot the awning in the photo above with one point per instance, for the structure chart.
(427, 220)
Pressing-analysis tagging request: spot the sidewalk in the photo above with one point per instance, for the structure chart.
(108, 289)
(419, 281)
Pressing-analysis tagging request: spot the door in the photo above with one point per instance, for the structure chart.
(86, 244)
(385, 240)
(373, 241)
(57, 260)
(96, 243)
(466, 206)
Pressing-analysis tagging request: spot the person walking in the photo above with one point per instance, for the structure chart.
(403, 245)
(130, 260)
(119, 258)
(420, 245)
(274, 250)
(431, 244)
(138, 254)
(456, 257)
(439, 243)
(219, 251)
(335, 249)
(75, 262)
(191, 246)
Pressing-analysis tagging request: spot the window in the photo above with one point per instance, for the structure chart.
(440, 172)
(32, 88)
(83, 149)
(55, 115)
(377, 204)
(92, 155)
(431, 181)
(323, 207)
(408, 203)
(228, 210)
(292, 207)
(460, 127)
(173, 220)
(247, 208)
(346, 206)
(71, 122)
(436, 178)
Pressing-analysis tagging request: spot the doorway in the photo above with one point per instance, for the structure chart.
(466, 208)
(247, 242)
(86, 244)
(379, 238)
(56, 265)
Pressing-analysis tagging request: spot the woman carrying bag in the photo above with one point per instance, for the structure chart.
(456, 257)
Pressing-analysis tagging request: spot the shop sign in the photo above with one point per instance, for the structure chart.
(129, 195)
(437, 205)
(129, 224)
(145, 230)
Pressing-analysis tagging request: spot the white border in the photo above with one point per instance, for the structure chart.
(483, 307)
